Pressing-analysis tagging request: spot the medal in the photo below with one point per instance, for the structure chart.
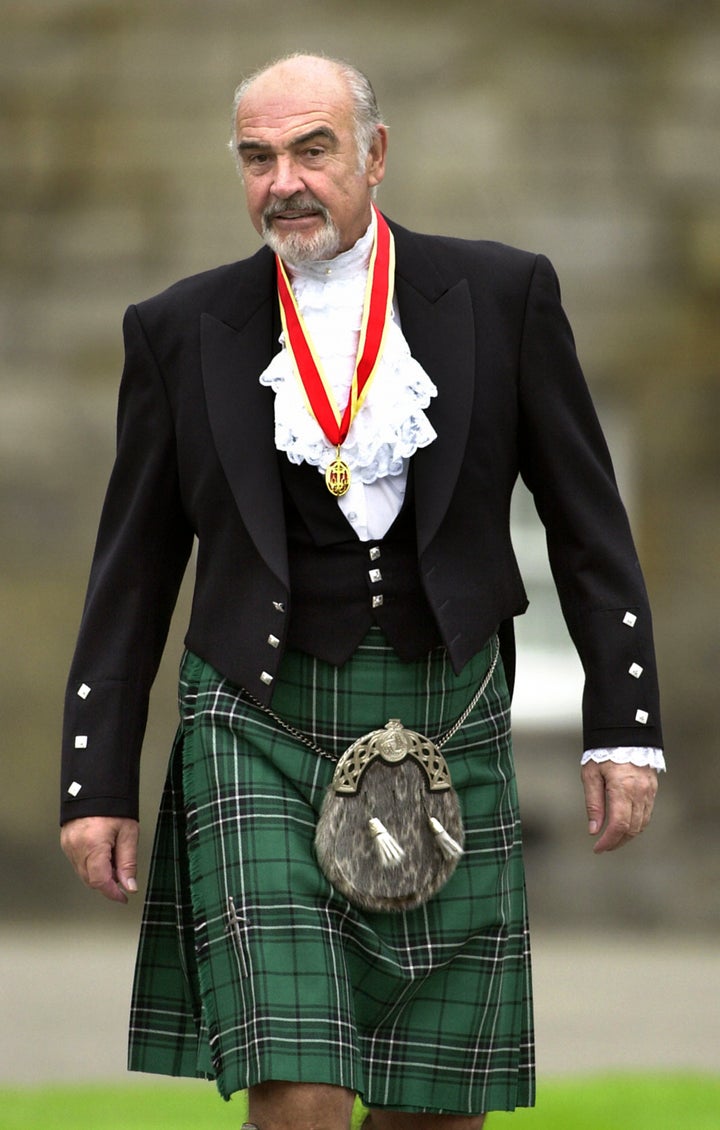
(337, 476)
(319, 397)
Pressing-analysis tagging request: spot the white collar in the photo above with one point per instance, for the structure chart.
(345, 265)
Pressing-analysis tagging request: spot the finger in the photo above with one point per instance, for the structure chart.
(616, 833)
(126, 858)
(594, 786)
(638, 820)
(624, 817)
(618, 813)
(649, 805)
(100, 874)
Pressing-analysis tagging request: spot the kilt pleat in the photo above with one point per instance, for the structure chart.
(252, 967)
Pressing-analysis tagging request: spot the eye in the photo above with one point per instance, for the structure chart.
(255, 160)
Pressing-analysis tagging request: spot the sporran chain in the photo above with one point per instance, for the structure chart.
(437, 742)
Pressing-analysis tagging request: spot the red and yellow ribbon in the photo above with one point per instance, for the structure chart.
(376, 316)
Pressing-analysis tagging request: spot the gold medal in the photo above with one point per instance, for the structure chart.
(337, 476)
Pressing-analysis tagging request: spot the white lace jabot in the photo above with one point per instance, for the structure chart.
(390, 426)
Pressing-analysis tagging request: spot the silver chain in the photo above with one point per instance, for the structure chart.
(437, 742)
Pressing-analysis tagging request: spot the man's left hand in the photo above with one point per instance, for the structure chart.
(619, 801)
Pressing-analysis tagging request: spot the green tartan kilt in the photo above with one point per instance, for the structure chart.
(252, 967)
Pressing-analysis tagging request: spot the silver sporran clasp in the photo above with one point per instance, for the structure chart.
(393, 744)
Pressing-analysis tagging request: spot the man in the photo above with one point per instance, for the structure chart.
(349, 493)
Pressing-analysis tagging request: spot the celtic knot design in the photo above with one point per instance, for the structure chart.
(393, 744)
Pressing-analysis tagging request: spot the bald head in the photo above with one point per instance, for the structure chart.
(327, 73)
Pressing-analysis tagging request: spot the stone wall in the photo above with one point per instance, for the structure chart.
(586, 130)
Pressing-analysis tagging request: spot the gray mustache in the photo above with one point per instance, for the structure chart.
(283, 206)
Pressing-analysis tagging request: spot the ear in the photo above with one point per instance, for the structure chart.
(375, 164)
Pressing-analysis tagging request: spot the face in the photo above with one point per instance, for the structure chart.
(306, 193)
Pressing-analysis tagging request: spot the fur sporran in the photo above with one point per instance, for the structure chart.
(390, 830)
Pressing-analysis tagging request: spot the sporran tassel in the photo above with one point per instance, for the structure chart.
(450, 848)
(387, 846)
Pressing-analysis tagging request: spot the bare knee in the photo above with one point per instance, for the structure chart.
(401, 1120)
(279, 1105)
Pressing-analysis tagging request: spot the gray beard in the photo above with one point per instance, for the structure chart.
(298, 248)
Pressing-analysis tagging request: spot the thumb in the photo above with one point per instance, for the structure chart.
(594, 786)
(126, 856)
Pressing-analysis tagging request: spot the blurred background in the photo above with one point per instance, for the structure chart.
(585, 130)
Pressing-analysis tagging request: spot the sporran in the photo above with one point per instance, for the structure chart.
(390, 830)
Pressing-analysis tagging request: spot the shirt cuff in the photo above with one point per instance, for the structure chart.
(628, 755)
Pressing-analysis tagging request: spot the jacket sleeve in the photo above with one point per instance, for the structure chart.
(565, 462)
(142, 549)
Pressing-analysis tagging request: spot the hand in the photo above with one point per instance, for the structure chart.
(619, 796)
(103, 851)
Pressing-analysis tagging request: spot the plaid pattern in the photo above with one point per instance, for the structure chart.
(270, 973)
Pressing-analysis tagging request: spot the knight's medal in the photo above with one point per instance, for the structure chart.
(337, 476)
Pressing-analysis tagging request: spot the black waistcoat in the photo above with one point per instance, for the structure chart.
(341, 586)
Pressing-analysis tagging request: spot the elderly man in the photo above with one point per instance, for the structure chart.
(339, 425)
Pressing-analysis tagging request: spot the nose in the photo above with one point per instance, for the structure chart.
(287, 180)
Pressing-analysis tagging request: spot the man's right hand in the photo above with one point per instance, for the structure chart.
(103, 851)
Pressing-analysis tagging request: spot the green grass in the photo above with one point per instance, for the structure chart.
(647, 1102)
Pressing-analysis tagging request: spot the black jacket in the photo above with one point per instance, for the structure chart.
(196, 458)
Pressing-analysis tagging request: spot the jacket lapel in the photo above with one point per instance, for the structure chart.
(241, 417)
(437, 322)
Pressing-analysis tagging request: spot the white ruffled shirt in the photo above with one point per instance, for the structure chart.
(391, 424)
